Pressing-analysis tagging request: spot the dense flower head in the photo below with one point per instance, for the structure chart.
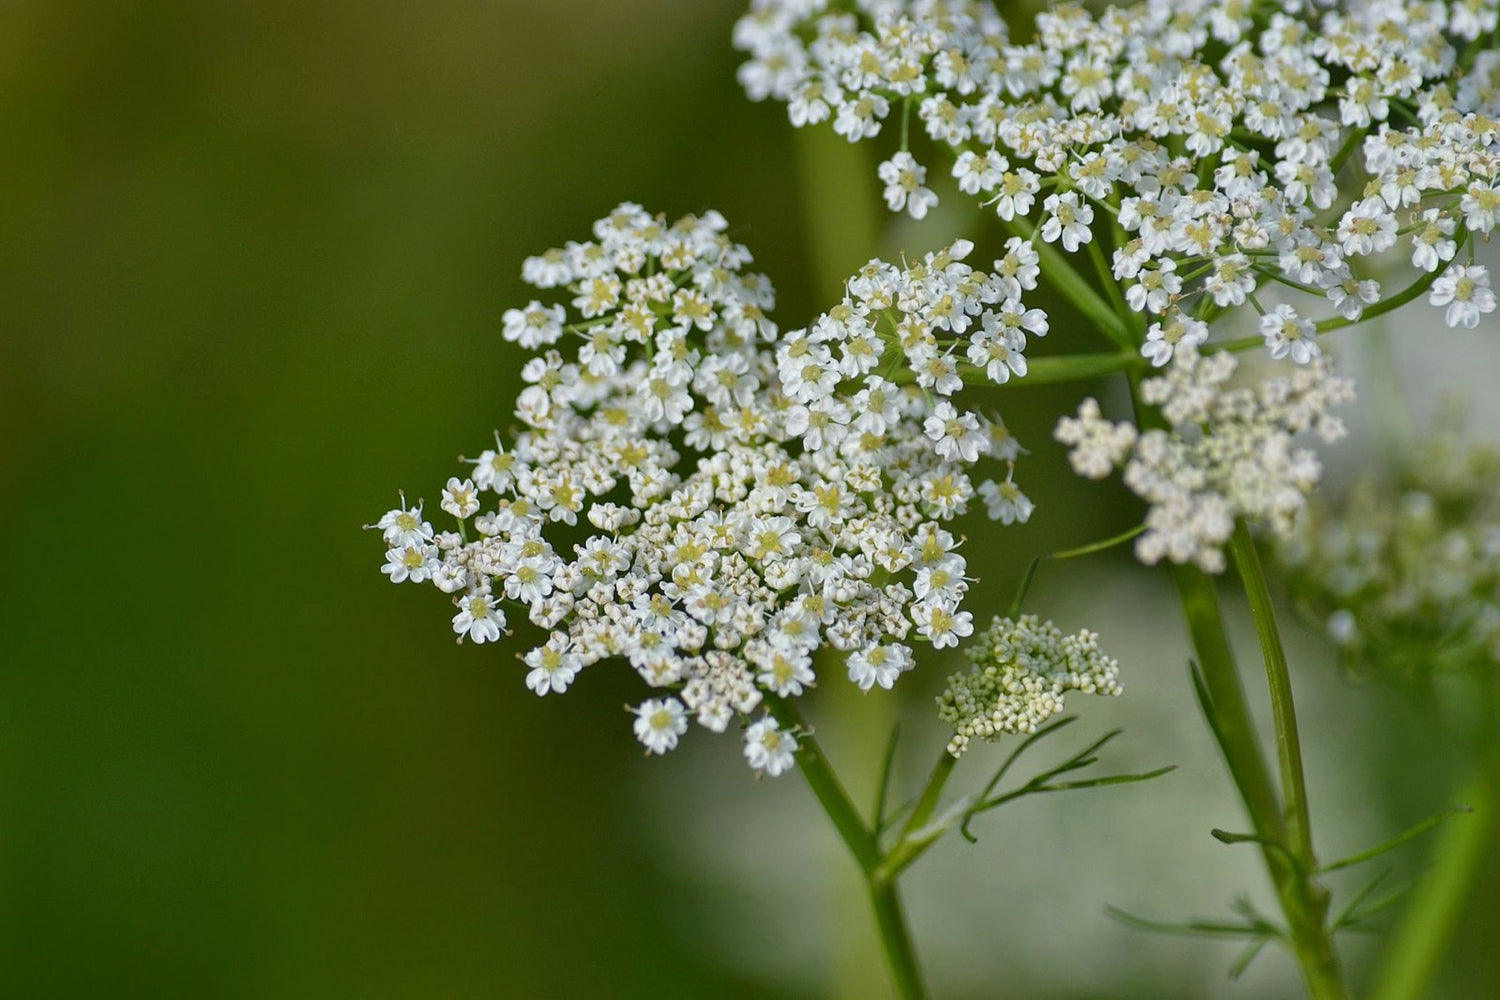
(706, 499)
(1022, 669)
(1200, 150)
(1404, 571)
(914, 324)
(1227, 452)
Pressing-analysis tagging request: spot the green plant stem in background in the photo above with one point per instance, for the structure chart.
(863, 844)
(1420, 941)
(842, 230)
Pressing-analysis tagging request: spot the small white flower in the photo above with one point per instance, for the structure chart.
(659, 722)
(414, 562)
(941, 624)
(956, 436)
(1068, 218)
(1288, 334)
(553, 666)
(768, 748)
(904, 178)
(535, 326)
(1005, 502)
(460, 498)
(1177, 330)
(404, 527)
(478, 618)
(879, 664)
(1465, 290)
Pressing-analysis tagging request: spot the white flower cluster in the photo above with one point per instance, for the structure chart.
(1022, 669)
(1199, 144)
(1228, 453)
(1405, 571)
(703, 500)
(903, 325)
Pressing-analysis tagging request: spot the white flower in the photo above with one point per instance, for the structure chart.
(553, 666)
(1005, 502)
(414, 562)
(478, 618)
(535, 326)
(938, 621)
(768, 748)
(659, 723)
(1177, 329)
(904, 178)
(1431, 243)
(879, 664)
(1288, 334)
(404, 527)
(737, 498)
(460, 498)
(1465, 290)
(860, 118)
(1068, 219)
(956, 436)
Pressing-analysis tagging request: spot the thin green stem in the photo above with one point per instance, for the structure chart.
(1075, 286)
(1350, 144)
(1041, 371)
(1283, 707)
(1107, 279)
(915, 836)
(1303, 900)
(1401, 298)
(890, 920)
(827, 788)
(1073, 553)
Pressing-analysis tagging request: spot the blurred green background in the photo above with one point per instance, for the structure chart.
(252, 261)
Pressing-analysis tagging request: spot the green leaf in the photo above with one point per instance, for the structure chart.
(1396, 841)
(1242, 961)
(1258, 929)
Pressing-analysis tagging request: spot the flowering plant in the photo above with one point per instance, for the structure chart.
(735, 510)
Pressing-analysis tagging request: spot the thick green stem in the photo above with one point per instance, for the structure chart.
(890, 918)
(1224, 702)
(895, 938)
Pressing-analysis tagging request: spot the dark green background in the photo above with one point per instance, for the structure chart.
(252, 261)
